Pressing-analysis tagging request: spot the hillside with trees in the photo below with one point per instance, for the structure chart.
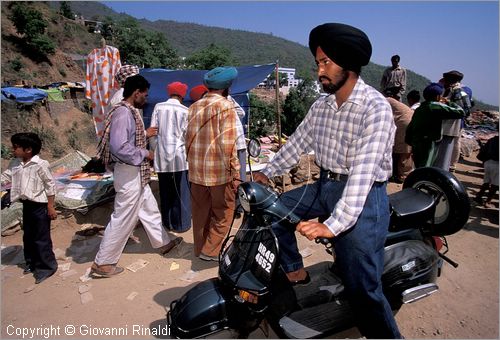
(145, 43)
(47, 42)
(236, 47)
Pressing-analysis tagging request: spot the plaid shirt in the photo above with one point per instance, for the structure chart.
(211, 141)
(355, 139)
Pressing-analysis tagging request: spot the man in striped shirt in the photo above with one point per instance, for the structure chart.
(170, 162)
(351, 130)
(213, 162)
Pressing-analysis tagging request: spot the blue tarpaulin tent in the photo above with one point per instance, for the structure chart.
(22, 95)
(248, 78)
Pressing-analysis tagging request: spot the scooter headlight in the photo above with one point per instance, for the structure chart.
(244, 201)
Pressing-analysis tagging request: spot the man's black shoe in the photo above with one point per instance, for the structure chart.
(302, 282)
(42, 277)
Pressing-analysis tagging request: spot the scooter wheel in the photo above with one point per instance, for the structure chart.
(453, 204)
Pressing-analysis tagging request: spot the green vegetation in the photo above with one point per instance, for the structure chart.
(296, 106)
(262, 118)
(6, 152)
(16, 64)
(208, 58)
(65, 9)
(140, 47)
(30, 23)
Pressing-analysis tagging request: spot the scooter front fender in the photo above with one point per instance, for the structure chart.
(201, 311)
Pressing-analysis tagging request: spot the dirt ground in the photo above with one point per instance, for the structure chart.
(64, 306)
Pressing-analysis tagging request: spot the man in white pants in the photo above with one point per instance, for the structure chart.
(123, 148)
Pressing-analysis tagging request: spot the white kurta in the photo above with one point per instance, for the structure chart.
(132, 203)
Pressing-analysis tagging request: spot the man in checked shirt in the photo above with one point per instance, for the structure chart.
(211, 149)
(351, 130)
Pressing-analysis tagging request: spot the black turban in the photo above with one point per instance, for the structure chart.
(453, 76)
(347, 46)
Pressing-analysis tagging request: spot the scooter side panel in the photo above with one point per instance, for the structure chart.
(200, 311)
(408, 264)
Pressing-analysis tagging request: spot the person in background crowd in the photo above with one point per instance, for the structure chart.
(413, 98)
(351, 131)
(241, 144)
(402, 162)
(489, 155)
(33, 185)
(213, 162)
(123, 149)
(393, 82)
(197, 92)
(170, 162)
(449, 148)
(425, 129)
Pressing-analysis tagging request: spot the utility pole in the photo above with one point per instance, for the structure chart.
(278, 117)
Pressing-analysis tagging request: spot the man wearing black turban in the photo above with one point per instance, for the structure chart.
(351, 131)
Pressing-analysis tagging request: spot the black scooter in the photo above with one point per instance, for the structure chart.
(253, 291)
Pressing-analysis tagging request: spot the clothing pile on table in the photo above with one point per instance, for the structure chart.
(481, 126)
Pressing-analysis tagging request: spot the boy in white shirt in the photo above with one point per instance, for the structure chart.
(33, 185)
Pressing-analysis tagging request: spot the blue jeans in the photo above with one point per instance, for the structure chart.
(359, 250)
(175, 200)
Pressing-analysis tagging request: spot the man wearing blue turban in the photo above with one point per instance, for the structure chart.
(213, 162)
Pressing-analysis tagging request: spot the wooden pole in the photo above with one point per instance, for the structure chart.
(278, 117)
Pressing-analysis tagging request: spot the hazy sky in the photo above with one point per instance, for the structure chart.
(431, 37)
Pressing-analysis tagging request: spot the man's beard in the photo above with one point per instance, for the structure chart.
(330, 87)
(139, 105)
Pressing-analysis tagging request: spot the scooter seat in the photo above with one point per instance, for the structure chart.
(410, 208)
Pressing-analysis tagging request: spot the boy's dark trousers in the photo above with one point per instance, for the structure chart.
(38, 252)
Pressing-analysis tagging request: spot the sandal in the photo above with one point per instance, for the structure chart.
(98, 272)
(171, 245)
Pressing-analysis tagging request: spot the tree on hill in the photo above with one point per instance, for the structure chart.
(296, 105)
(140, 47)
(30, 23)
(65, 9)
(208, 58)
(107, 28)
(262, 118)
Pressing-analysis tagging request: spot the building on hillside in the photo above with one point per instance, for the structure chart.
(290, 76)
(291, 81)
(94, 26)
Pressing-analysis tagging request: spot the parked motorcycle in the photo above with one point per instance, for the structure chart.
(253, 291)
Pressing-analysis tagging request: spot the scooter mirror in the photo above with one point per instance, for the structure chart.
(254, 147)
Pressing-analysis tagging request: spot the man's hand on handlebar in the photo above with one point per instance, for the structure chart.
(313, 230)
(259, 177)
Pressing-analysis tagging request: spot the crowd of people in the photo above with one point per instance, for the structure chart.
(361, 137)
